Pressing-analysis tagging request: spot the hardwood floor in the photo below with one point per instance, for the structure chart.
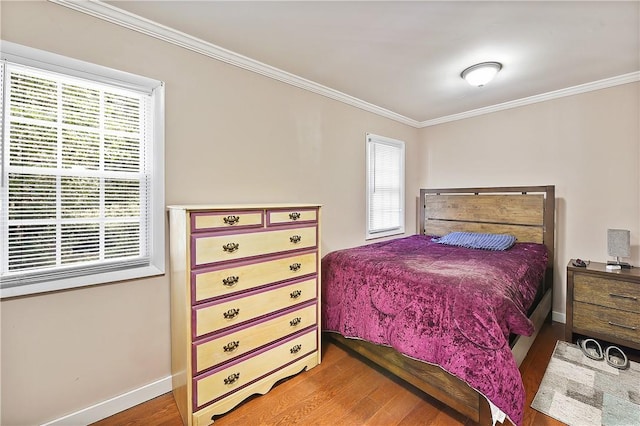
(346, 390)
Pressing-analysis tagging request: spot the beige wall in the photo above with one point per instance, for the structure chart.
(587, 145)
(231, 136)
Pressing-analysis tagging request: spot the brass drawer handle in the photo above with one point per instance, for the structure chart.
(232, 378)
(295, 267)
(295, 321)
(294, 216)
(296, 349)
(231, 247)
(295, 239)
(628, 327)
(231, 219)
(623, 296)
(230, 281)
(295, 294)
(231, 313)
(231, 346)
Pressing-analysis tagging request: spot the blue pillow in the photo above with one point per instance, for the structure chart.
(478, 241)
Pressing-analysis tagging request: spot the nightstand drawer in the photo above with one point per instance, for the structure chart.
(224, 348)
(217, 384)
(607, 292)
(612, 322)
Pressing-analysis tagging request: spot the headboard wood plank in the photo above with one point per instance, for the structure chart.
(522, 233)
(518, 209)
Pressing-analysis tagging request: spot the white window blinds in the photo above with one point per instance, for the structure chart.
(76, 177)
(385, 186)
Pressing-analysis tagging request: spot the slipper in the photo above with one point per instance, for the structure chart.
(619, 360)
(591, 348)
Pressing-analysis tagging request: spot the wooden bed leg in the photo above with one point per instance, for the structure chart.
(484, 413)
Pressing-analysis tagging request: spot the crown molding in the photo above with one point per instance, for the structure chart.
(569, 91)
(134, 22)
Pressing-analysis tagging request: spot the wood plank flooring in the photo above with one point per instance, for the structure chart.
(346, 390)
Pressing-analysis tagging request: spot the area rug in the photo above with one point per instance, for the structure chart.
(580, 391)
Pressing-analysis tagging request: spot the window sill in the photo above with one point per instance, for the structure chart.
(384, 234)
(83, 281)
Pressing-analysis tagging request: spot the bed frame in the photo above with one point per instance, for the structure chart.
(527, 212)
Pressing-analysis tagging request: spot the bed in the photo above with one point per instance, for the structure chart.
(450, 358)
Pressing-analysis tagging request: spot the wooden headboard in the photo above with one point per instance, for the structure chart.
(527, 212)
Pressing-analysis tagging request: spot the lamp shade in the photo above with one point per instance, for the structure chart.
(619, 242)
(481, 74)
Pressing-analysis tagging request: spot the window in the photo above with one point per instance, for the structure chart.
(82, 197)
(385, 186)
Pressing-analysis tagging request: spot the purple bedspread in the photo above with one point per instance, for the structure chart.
(449, 306)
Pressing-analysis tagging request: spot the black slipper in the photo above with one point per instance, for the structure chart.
(591, 348)
(618, 360)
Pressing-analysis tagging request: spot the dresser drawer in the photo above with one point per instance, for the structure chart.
(612, 322)
(211, 352)
(211, 249)
(211, 386)
(208, 284)
(225, 220)
(607, 292)
(280, 217)
(215, 316)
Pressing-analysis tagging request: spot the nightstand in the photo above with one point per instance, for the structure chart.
(603, 304)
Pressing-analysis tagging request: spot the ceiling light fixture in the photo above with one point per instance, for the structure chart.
(481, 74)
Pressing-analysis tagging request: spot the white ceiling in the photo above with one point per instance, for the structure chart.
(406, 57)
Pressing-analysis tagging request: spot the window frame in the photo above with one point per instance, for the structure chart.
(371, 141)
(30, 283)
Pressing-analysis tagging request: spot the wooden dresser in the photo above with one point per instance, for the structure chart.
(244, 302)
(604, 304)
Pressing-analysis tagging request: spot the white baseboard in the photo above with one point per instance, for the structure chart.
(114, 405)
(559, 317)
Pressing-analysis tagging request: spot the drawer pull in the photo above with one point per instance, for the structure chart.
(622, 296)
(295, 239)
(231, 313)
(295, 267)
(296, 349)
(295, 321)
(295, 294)
(232, 378)
(231, 219)
(628, 327)
(231, 247)
(230, 281)
(231, 346)
(294, 216)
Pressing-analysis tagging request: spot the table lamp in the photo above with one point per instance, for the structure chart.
(618, 245)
